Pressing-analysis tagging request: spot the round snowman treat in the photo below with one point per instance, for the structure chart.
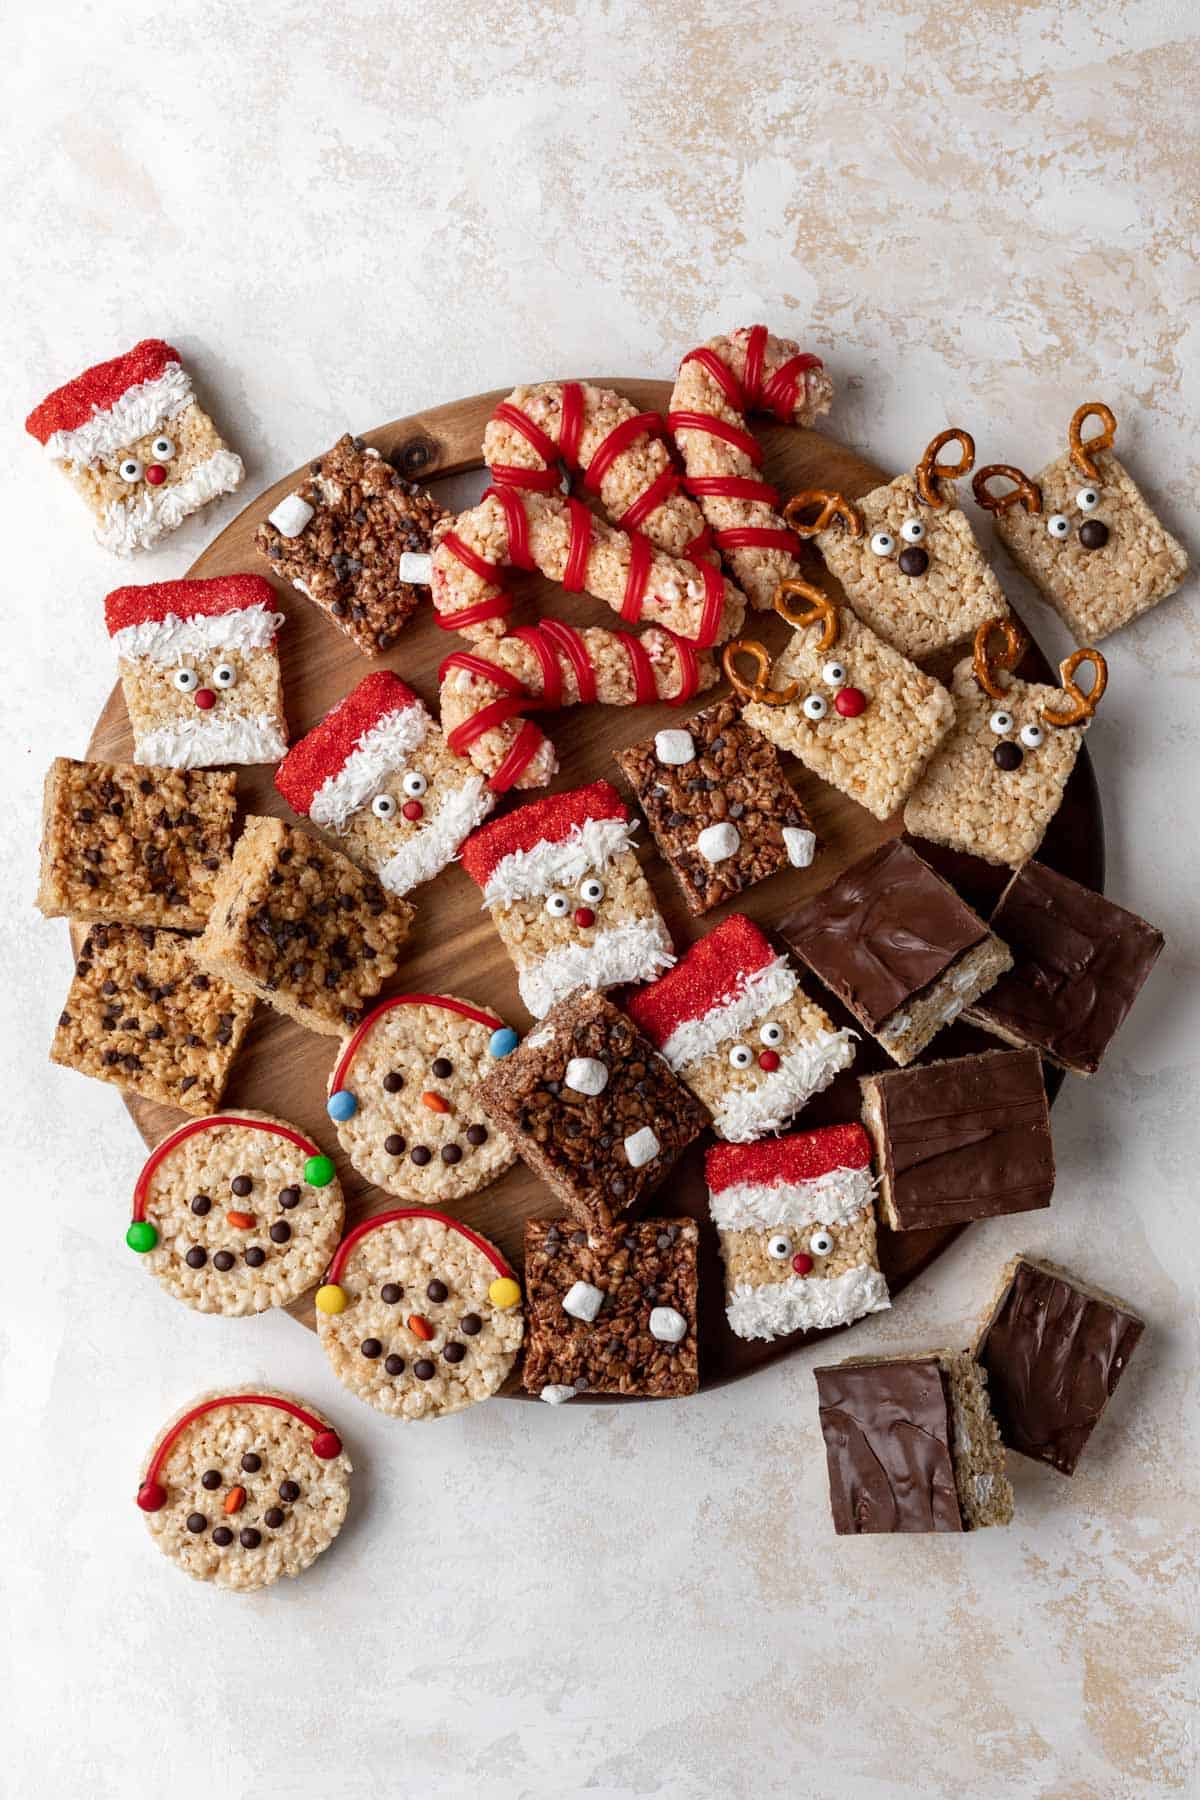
(403, 1097)
(419, 1315)
(245, 1486)
(236, 1212)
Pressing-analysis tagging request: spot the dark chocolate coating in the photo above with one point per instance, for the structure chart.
(888, 1442)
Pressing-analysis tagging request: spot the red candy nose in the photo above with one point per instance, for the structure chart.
(801, 1263)
(413, 810)
(204, 698)
(849, 702)
(152, 1496)
(156, 474)
(327, 1445)
(768, 1060)
(584, 916)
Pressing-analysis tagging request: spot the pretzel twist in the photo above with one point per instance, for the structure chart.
(986, 662)
(833, 506)
(1083, 706)
(760, 688)
(819, 610)
(1024, 492)
(1082, 455)
(930, 471)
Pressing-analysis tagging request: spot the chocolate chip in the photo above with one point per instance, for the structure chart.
(1093, 534)
(421, 1156)
(108, 987)
(451, 1153)
(470, 1324)
(196, 1257)
(222, 1536)
(196, 1522)
(274, 1517)
(250, 1539)
(442, 1067)
(579, 1237)
(189, 1081)
(281, 1231)
(90, 880)
(453, 1353)
(477, 1134)
(201, 1204)
(211, 1479)
(437, 1291)
(85, 815)
(390, 1292)
(252, 1462)
(289, 1490)
(223, 1260)
(424, 1370)
(393, 1143)
(1008, 756)
(201, 982)
(394, 1365)
(289, 1197)
(256, 1256)
(241, 1186)
(371, 1348)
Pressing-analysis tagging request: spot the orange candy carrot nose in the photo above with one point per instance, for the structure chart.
(420, 1327)
(435, 1103)
(240, 1220)
(235, 1499)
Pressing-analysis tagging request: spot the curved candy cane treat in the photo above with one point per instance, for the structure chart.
(717, 386)
(567, 896)
(378, 773)
(200, 670)
(236, 1212)
(997, 780)
(403, 1096)
(906, 556)
(1083, 532)
(244, 1487)
(733, 1022)
(130, 437)
(419, 1315)
(796, 1220)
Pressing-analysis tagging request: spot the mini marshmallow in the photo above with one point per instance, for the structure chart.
(667, 1325)
(555, 1394)
(583, 1301)
(586, 1075)
(716, 842)
(290, 516)
(416, 565)
(674, 747)
(801, 846)
(641, 1147)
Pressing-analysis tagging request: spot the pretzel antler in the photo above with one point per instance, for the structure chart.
(1083, 706)
(832, 506)
(1082, 455)
(1025, 492)
(986, 662)
(930, 471)
(820, 610)
(759, 688)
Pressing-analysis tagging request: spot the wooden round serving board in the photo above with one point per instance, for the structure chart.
(282, 1068)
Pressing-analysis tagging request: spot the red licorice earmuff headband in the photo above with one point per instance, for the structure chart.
(326, 1444)
(331, 1296)
(343, 1104)
(142, 1236)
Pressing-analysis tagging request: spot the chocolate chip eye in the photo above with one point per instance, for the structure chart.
(912, 531)
(834, 673)
(162, 449)
(1058, 525)
(414, 784)
(252, 1462)
(384, 806)
(821, 1242)
(186, 680)
(436, 1291)
(557, 905)
(241, 1186)
(741, 1056)
(814, 706)
(224, 676)
(1087, 499)
(592, 891)
(442, 1067)
(1032, 736)
(779, 1247)
(883, 543)
(393, 1082)
(211, 1479)
(771, 1035)
(391, 1292)
(1001, 722)
(201, 1204)
(129, 469)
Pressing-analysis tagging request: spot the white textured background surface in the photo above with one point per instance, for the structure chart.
(976, 212)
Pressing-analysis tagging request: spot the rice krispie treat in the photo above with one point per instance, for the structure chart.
(611, 1314)
(200, 670)
(133, 845)
(567, 896)
(897, 946)
(592, 1109)
(404, 1096)
(797, 1229)
(1083, 533)
(722, 814)
(297, 923)
(141, 1014)
(912, 1445)
(236, 1213)
(132, 440)
(378, 773)
(906, 556)
(242, 1488)
(355, 537)
(850, 708)
(733, 1022)
(419, 1316)
(997, 779)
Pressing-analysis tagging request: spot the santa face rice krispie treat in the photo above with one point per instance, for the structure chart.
(378, 773)
(564, 889)
(733, 1022)
(797, 1227)
(418, 1315)
(130, 437)
(403, 1096)
(236, 1213)
(851, 709)
(243, 1487)
(1083, 534)
(997, 779)
(200, 670)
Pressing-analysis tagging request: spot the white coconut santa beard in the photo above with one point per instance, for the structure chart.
(748, 1113)
(806, 1303)
(429, 850)
(636, 951)
(203, 742)
(137, 522)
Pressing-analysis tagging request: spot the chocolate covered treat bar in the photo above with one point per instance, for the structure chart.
(1079, 963)
(1054, 1350)
(897, 946)
(298, 924)
(142, 1015)
(127, 844)
(911, 1445)
(592, 1109)
(354, 537)
(721, 812)
(611, 1314)
(961, 1140)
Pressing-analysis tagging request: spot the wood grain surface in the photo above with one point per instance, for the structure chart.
(282, 1068)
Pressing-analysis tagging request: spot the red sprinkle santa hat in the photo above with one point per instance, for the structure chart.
(716, 992)
(810, 1178)
(548, 843)
(112, 404)
(343, 761)
(165, 620)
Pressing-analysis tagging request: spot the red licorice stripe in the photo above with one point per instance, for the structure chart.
(210, 1124)
(724, 377)
(714, 602)
(758, 537)
(497, 608)
(575, 573)
(338, 1079)
(529, 741)
(731, 487)
(641, 555)
(487, 671)
(206, 1406)
(568, 640)
(702, 541)
(471, 559)
(551, 673)
(730, 434)
(533, 434)
(660, 489)
(619, 438)
(780, 393)
(689, 670)
(534, 481)
(497, 712)
(517, 520)
(756, 349)
(412, 1212)
(571, 425)
(645, 687)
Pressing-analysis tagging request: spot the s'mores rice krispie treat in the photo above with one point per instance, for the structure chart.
(132, 440)
(244, 1487)
(141, 1014)
(200, 670)
(997, 779)
(906, 556)
(845, 704)
(133, 845)
(722, 814)
(378, 773)
(298, 924)
(355, 538)
(236, 1213)
(897, 946)
(419, 1316)
(567, 896)
(1083, 533)
(911, 1445)
(733, 1022)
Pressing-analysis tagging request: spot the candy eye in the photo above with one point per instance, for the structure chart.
(883, 543)
(741, 1056)
(384, 806)
(779, 1247)
(592, 891)
(771, 1035)
(912, 531)
(834, 674)
(1058, 525)
(1001, 723)
(557, 905)
(814, 707)
(130, 469)
(162, 449)
(186, 680)
(1032, 736)
(224, 675)
(414, 784)
(821, 1243)
(1087, 499)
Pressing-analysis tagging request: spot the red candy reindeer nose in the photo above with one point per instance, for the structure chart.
(801, 1263)
(156, 474)
(849, 702)
(584, 916)
(204, 698)
(768, 1060)
(413, 810)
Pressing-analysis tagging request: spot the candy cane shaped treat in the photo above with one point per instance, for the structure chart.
(717, 386)
(548, 666)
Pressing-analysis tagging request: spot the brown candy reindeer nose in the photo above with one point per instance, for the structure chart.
(1008, 756)
(914, 561)
(1093, 534)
